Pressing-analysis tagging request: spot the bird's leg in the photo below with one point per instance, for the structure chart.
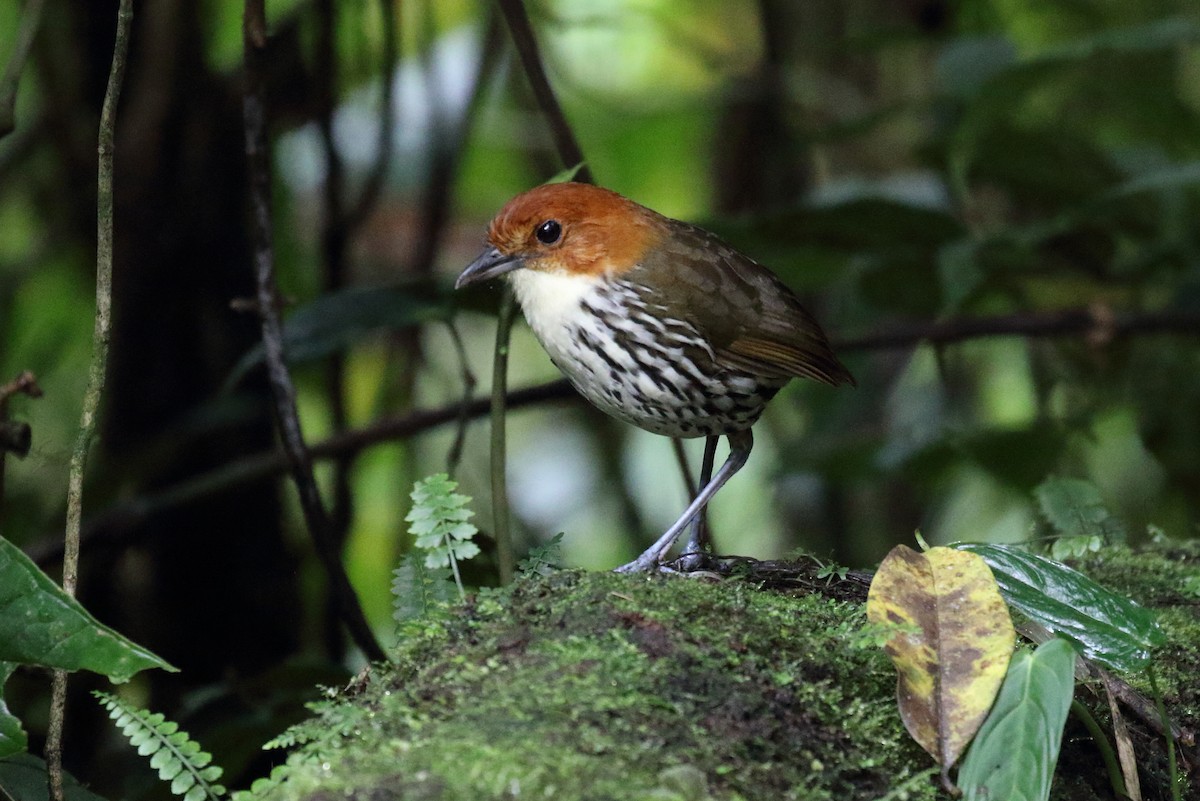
(700, 541)
(740, 444)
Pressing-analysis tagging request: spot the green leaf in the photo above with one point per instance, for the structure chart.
(177, 758)
(564, 176)
(543, 559)
(184, 782)
(41, 625)
(419, 592)
(167, 764)
(335, 321)
(23, 778)
(13, 739)
(1074, 508)
(1106, 627)
(438, 521)
(1014, 753)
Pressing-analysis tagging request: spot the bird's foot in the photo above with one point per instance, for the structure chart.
(646, 563)
(688, 562)
(693, 561)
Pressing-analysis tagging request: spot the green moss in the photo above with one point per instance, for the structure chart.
(597, 686)
(586, 686)
(1161, 577)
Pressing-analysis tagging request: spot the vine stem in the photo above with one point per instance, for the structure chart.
(500, 522)
(96, 374)
(283, 391)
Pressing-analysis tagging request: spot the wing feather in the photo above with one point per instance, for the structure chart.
(750, 317)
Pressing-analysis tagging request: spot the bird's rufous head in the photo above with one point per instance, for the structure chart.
(566, 228)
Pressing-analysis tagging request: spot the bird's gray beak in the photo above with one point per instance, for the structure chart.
(490, 264)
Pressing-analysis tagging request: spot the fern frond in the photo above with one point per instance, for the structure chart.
(419, 592)
(177, 758)
(542, 559)
(438, 521)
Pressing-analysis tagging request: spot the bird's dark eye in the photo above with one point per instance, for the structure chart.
(548, 232)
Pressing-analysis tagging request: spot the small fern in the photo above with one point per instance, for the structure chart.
(177, 758)
(542, 559)
(438, 521)
(419, 592)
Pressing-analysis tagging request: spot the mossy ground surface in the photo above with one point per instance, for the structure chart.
(600, 686)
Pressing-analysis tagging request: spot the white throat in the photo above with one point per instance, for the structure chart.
(551, 303)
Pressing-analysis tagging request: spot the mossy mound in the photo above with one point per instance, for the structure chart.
(599, 686)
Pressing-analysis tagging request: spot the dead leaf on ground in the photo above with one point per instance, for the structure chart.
(953, 642)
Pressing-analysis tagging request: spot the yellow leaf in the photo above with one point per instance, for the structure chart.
(952, 645)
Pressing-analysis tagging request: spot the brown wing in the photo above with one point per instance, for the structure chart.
(753, 321)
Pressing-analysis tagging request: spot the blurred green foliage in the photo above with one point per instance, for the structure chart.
(899, 164)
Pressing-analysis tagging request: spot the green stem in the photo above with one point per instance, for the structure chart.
(1106, 750)
(500, 522)
(1172, 768)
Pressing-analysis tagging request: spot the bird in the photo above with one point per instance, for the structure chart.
(655, 321)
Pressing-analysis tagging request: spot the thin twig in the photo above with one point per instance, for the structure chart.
(96, 375)
(335, 236)
(564, 138)
(282, 389)
(464, 416)
(30, 21)
(385, 144)
(500, 522)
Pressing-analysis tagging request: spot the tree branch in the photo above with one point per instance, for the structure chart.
(1046, 324)
(564, 138)
(96, 375)
(282, 389)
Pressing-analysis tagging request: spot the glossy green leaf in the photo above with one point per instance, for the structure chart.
(335, 321)
(1106, 627)
(23, 778)
(12, 737)
(41, 625)
(1014, 753)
